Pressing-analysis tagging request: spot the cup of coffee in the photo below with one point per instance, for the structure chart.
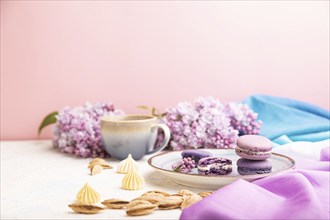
(132, 134)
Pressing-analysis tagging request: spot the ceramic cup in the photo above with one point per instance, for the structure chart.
(132, 134)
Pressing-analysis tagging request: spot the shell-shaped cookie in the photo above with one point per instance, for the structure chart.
(87, 195)
(133, 181)
(127, 165)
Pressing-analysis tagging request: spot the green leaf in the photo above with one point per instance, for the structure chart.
(48, 120)
(178, 168)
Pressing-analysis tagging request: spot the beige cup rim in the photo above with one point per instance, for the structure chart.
(118, 118)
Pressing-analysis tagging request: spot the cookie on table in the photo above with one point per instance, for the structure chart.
(254, 147)
(251, 167)
(214, 166)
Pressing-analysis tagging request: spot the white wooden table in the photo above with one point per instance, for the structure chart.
(38, 182)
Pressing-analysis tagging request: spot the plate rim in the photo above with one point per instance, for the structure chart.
(253, 176)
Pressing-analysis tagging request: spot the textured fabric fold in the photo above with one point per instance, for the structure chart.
(286, 120)
(296, 194)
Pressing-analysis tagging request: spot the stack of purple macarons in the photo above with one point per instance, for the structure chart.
(254, 151)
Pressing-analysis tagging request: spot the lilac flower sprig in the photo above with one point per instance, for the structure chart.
(202, 124)
(184, 166)
(206, 123)
(77, 130)
(243, 118)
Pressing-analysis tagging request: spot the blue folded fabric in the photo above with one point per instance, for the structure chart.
(287, 120)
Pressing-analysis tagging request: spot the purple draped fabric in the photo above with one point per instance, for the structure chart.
(298, 194)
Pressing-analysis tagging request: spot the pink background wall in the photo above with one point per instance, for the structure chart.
(57, 53)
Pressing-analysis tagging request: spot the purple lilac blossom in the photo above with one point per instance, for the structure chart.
(243, 118)
(184, 166)
(77, 130)
(202, 124)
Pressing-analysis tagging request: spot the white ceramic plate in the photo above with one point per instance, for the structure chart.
(163, 163)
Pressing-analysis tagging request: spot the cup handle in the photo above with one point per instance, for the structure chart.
(167, 136)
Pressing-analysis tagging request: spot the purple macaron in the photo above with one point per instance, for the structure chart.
(253, 147)
(214, 166)
(195, 155)
(251, 167)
